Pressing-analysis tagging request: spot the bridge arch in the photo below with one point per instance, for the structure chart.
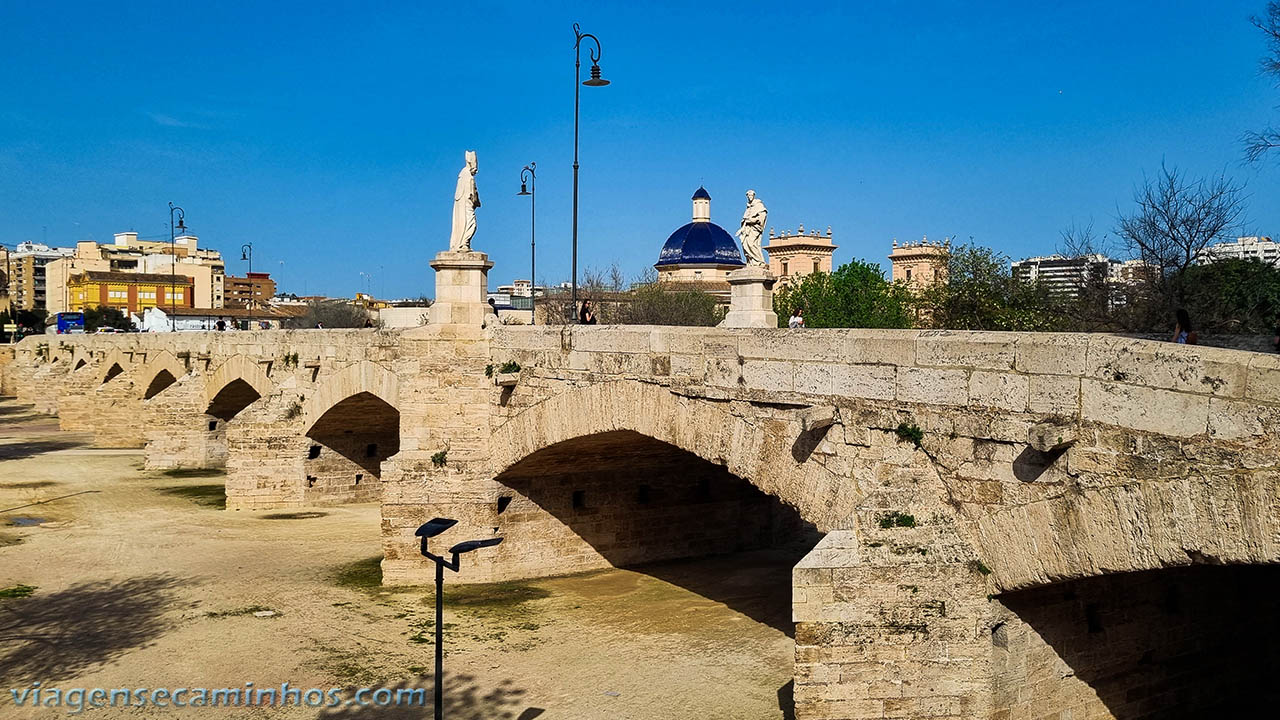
(160, 372)
(235, 385)
(112, 365)
(352, 424)
(1142, 525)
(765, 451)
(362, 377)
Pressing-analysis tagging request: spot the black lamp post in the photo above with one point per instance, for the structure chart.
(530, 179)
(594, 81)
(429, 530)
(173, 261)
(246, 253)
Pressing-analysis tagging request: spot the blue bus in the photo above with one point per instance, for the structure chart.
(70, 322)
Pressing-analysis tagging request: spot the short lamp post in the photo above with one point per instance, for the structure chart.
(529, 186)
(427, 531)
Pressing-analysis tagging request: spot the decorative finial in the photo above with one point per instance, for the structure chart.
(801, 230)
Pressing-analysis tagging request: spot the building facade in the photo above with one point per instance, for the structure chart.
(795, 254)
(1244, 248)
(255, 290)
(1065, 277)
(128, 254)
(28, 274)
(126, 291)
(920, 265)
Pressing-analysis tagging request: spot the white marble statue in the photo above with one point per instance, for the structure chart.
(752, 229)
(465, 201)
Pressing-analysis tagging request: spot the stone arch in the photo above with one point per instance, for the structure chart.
(760, 450)
(362, 377)
(248, 375)
(352, 426)
(112, 365)
(1142, 525)
(160, 372)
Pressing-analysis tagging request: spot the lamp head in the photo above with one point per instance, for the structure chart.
(595, 80)
(524, 189)
(181, 225)
(469, 545)
(434, 527)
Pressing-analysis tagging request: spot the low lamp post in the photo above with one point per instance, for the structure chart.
(427, 531)
(529, 187)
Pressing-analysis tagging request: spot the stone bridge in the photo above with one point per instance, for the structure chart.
(1011, 525)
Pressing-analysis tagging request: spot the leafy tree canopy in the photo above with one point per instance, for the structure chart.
(855, 295)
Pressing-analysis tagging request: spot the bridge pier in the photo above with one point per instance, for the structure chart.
(179, 434)
(266, 449)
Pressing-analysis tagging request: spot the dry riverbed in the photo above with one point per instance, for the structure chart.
(116, 577)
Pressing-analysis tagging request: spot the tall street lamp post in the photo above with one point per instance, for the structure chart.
(594, 81)
(530, 178)
(173, 261)
(427, 531)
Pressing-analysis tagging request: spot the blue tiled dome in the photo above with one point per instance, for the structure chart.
(700, 243)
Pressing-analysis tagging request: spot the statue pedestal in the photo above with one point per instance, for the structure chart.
(751, 299)
(462, 287)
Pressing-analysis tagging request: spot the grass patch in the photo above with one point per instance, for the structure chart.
(214, 496)
(17, 591)
(910, 432)
(361, 575)
(491, 596)
(440, 459)
(193, 472)
(897, 519)
(242, 611)
(36, 485)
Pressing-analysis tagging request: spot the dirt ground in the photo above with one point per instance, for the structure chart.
(141, 580)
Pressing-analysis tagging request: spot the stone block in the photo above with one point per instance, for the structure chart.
(986, 350)
(1185, 368)
(1008, 391)
(887, 347)
(1051, 353)
(1264, 378)
(933, 386)
(1141, 408)
(1054, 395)
(873, 382)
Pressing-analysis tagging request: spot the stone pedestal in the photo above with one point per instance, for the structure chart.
(462, 285)
(751, 299)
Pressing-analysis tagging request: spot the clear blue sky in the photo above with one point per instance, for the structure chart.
(330, 135)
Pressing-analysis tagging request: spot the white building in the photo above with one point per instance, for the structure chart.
(1244, 248)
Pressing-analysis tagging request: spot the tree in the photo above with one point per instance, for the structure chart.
(856, 294)
(103, 316)
(981, 294)
(1176, 220)
(656, 303)
(596, 286)
(1259, 143)
(330, 314)
(1233, 295)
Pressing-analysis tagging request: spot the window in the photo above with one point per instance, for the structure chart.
(579, 499)
(314, 452)
(908, 274)
(817, 266)
(784, 268)
(371, 450)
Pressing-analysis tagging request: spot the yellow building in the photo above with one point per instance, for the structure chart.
(127, 292)
(920, 265)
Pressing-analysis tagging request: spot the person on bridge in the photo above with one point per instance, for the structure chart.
(797, 318)
(1183, 333)
(588, 315)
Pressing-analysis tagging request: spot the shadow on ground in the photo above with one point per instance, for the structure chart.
(51, 636)
(756, 584)
(22, 450)
(464, 699)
